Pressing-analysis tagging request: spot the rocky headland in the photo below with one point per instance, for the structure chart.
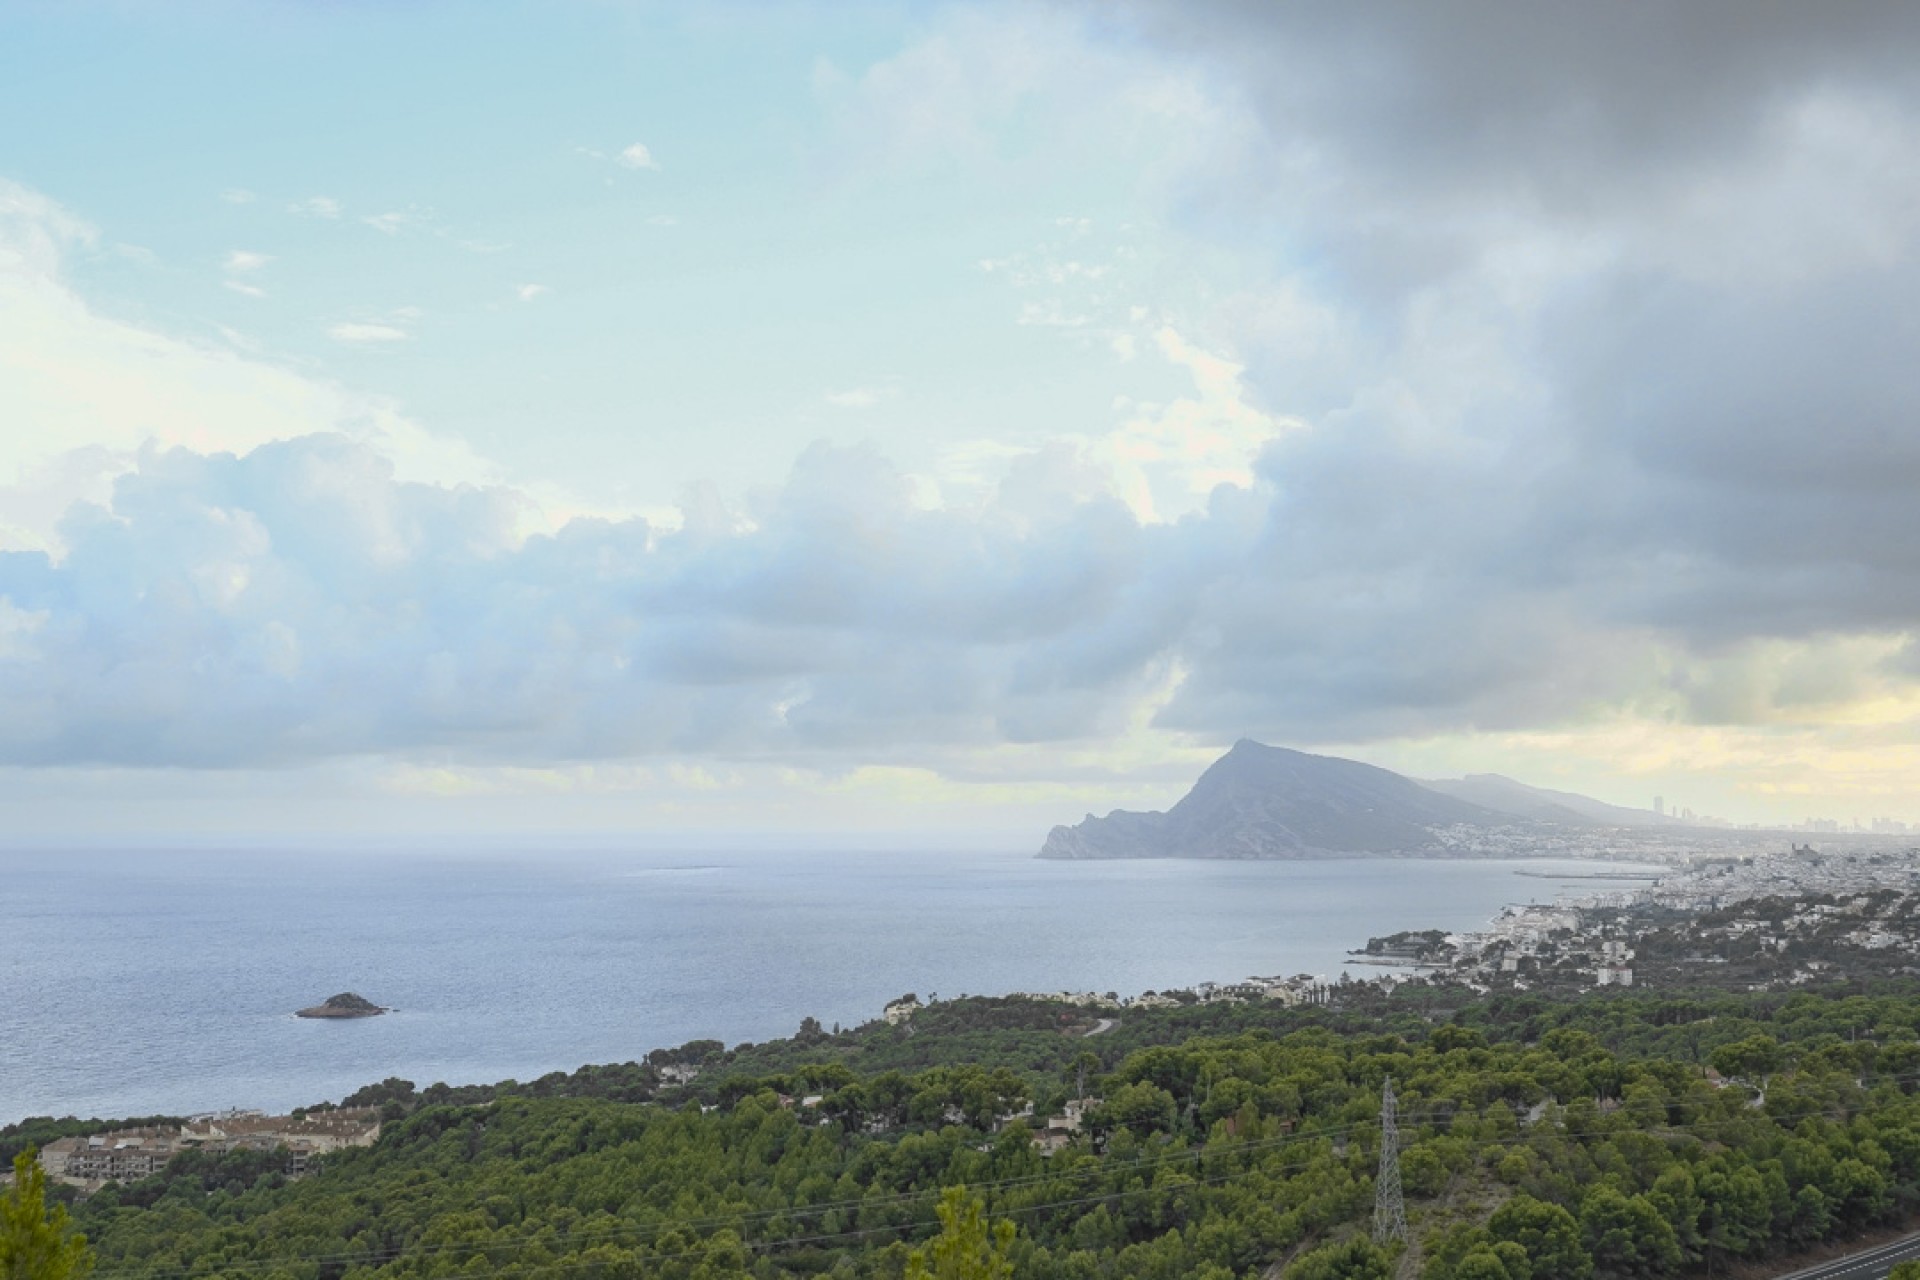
(1259, 801)
(1267, 802)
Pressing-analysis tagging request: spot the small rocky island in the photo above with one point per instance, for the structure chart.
(344, 1005)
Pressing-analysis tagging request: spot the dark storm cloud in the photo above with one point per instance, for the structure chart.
(1575, 103)
(1632, 304)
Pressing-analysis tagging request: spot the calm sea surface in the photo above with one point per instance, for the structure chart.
(149, 982)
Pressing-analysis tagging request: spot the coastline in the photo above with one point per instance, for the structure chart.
(1252, 918)
(1264, 915)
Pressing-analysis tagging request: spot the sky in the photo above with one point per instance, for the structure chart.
(938, 421)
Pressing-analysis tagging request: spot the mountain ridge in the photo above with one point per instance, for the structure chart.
(1259, 801)
(1506, 795)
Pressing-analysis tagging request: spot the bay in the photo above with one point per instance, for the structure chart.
(136, 982)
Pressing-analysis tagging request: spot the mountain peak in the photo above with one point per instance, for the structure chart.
(1260, 801)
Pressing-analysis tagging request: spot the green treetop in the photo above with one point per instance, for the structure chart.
(37, 1243)
(966, 1248)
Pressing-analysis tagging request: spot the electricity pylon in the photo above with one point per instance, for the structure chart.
(1389, 1206)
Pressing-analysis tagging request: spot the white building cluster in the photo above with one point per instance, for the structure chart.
(1302, 988)
(126, 1155)
(1564, 936)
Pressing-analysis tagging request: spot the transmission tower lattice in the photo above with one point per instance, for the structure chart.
(1389, 1207)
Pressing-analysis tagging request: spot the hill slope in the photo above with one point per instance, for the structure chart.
(1268, 802)
(1504, 795)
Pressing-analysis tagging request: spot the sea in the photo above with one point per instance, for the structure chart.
(141, 982)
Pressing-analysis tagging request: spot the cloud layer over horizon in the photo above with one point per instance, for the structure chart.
(1554, 371)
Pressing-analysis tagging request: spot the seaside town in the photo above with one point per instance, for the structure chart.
(1708, 908)
(1773, 918)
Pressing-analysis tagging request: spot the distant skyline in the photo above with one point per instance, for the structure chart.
(762, 419)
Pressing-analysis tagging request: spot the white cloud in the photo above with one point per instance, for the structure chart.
(861, 397)
(1018, 89)
(374, 330)
(1164, 460)
(35, 234)
(636, 156)
(84, 393)
(337, 611)
(246, 260)
(1052, 314)
(528, 292)
(1168, 458)
(17, 631)
(394, 222)
(360, 332)
(250, 290)
(316, 207)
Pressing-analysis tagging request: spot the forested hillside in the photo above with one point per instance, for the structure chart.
(1626, 1137)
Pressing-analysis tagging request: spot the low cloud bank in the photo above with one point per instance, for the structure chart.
(298, 602)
